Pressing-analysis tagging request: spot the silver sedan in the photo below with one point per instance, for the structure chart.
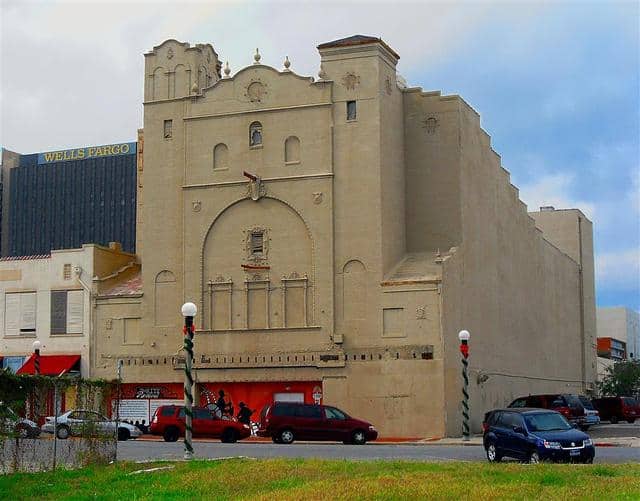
(81, 422)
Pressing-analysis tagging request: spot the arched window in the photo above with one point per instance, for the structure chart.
(255, 134)
(221, 157)
(292, 150)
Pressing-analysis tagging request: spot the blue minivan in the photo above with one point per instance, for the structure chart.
(534, 435)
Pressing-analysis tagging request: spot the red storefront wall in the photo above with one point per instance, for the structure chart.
(257, 395)
(254, 394)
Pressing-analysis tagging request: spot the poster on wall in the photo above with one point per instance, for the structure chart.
(132, 410)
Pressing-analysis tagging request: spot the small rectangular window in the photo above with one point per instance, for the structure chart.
(168, 129)
(257, 241)
(351, 110)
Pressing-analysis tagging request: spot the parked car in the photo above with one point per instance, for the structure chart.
(567, 405)
(591, 415)
(616, 409)
(82, 422)
(285, 422)
(534, 435)
(169, 422)
(11, 423)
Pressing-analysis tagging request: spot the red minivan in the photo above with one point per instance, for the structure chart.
(168, 422)
(616, 409)
(285, 422)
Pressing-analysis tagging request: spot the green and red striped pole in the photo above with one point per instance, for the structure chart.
(189, 311)
(464, 351)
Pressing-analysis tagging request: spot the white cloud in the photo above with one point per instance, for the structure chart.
(619, 270)
(554, 189)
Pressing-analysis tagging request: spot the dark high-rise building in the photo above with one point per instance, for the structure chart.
(63, 199)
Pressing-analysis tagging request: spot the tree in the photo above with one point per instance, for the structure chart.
(621, 379)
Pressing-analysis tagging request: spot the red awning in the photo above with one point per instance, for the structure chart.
(51, 365)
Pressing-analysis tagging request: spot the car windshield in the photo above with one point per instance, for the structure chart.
(586, 403)
(549, 421)
(629, 401)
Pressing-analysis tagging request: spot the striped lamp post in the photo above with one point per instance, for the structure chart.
(36, 357)
(464, 351)
(189, 311)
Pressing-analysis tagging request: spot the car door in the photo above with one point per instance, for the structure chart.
(518, 437)
(309, 420)
(509, 439)
(499, 430)
(75, 422)
(336, 425)
(201, 425)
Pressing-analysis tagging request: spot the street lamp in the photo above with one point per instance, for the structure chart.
(36, 357)
(464, 336)
(189, 311)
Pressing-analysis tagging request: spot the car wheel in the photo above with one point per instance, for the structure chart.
(534, 457)
(63, 432)
(614, 419)
(171, 434)
(22, 431)
(492, 453)
(358, 437)
(286, 437)
(230, 436)
(588, 461)
(123, 434)
(631, 421)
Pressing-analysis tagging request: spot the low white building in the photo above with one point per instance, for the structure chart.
(623, 324)
(49, 298)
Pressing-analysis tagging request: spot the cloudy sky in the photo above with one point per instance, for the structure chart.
(556, 83)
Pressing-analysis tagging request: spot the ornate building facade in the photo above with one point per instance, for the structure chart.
(336, 233)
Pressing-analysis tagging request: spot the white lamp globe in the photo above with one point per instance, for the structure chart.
(36, 345)
(189, 310)
(464, 335)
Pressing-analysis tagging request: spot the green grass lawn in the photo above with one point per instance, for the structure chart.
(293, 479)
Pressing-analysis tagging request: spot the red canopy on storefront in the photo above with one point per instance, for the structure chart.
(51, 365)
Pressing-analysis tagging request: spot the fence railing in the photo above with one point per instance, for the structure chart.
(51, 422)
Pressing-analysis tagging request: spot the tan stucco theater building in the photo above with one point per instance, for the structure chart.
(336, 233)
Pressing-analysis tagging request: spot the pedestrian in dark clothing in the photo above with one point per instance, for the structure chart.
(222, 404)
(244, 414)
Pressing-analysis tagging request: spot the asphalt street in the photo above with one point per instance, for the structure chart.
(152, 450)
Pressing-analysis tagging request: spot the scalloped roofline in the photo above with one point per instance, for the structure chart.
(230, 78)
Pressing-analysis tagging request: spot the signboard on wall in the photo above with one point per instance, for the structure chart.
(88, 152)
(140, 409)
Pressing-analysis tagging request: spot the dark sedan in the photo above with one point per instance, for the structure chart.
(535, 435)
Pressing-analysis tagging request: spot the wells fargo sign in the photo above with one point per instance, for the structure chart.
(88, 152)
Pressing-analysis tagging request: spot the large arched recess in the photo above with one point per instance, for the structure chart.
(289, 253)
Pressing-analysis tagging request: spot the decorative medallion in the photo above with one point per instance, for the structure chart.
(220, 279)
(256, 91)
(256, 189)
(170, 53)
(430, 125)
(317, 197)
(387, 84)
(256, 277)
(196, 205)
(350, 80)
(421, 312)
